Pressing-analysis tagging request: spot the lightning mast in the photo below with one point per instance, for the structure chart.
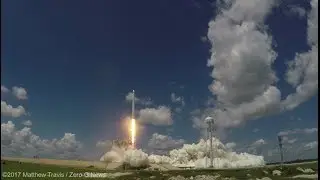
(280, 148)
(210, 122)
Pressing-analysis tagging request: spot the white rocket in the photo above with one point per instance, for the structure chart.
(132, 115)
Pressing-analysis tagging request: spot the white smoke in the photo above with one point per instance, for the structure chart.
(191, 155)
(136, 158)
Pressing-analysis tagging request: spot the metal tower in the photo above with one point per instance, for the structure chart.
(210, 121)
(280, 148)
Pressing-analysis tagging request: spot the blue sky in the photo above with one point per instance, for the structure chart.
(78, 61)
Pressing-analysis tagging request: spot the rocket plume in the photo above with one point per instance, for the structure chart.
(133, 124)
(133, 132)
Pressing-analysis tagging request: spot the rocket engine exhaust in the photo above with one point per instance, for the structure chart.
(133, 132)
(133, 124)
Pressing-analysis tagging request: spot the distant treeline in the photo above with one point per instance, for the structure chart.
(294, 161)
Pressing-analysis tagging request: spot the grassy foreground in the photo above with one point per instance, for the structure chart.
(16, 170)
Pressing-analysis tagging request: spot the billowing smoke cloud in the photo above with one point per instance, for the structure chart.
(193, 155)
(161, 143)
(24, 143)
(155, 116)
(8, 110)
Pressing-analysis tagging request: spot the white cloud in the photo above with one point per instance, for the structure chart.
(311, 145)
(291, 141)
(255, 130)
(244, 83)
(204, 39)
(310, 130)
(296, 10)
(104, 144)
(129, 97)
(23, 142)
(303, 70)
(8, 110)
(231, 145)
(143, 101)
(19, 92)
(259, 142)
(256, 147)
(4, 89)
(156, 116)
(285, 139)
(242, 57)
(178, 110)
(163, 142)
(298, 131)
(27, 123)
(177, 99)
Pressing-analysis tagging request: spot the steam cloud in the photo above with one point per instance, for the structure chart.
(192, 155)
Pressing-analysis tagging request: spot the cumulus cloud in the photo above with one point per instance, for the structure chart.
(104, 144)
(156, 116)
(27, 123)
(259, 142)
(142, 101)
(285, 139)
(8, 110)
(23, 142)
(4, 89)
(203, 39)
(311, 145)
(164, 143)
(19, 92)
(242, 56)
(298, 131)
(177, 99)
(256, 147)
(296, 10)
(291, 141)
(303, 70)
(255, 130)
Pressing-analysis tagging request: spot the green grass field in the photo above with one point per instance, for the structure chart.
(21, 170)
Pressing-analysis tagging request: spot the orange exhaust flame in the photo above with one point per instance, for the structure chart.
(133, 132)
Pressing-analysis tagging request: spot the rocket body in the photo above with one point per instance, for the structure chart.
(132, 111)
